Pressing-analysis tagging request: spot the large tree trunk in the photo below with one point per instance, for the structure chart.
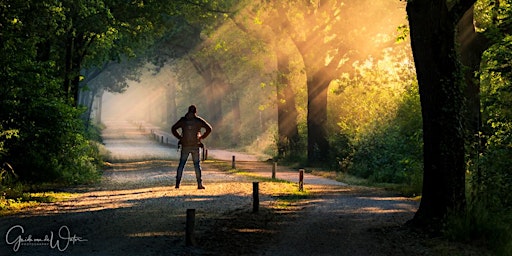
(288, 133)
(432, 29)
(318, 145)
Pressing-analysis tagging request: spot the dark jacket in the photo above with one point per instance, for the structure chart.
(190, 126)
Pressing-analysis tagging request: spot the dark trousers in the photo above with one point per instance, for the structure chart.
(185, 151)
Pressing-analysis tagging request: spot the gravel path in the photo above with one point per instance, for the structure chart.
(135, 210)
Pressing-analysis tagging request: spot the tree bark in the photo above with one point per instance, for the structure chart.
(432, 29)
(237, 122)
(68, 67)
(471, 48)
(288, 133)
(318, 145)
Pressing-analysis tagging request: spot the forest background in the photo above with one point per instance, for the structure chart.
(327, 84)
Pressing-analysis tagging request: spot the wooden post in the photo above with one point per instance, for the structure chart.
(189, 228)
(301, 179)
(274, 167)
(255, 197)
(233, 166)
(204, 156)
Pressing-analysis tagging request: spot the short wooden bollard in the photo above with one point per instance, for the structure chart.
(274, 167)
(301, 179)
(255, 197)
(233, 165)
(189, 227)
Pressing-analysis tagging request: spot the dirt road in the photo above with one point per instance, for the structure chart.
(135, 210)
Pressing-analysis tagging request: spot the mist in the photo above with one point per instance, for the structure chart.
(144, 101)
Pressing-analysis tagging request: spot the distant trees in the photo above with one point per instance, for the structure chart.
(329, 37)
(46, 50)
(50, 142)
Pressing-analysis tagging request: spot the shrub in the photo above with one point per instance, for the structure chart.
(391, 151)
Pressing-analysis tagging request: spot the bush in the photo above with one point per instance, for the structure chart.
(342, 151)
(53, 147)
(392, 150)
(490, 180)
(379, 132)
(482, 227)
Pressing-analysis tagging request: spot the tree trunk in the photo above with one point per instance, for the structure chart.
(432, 29)
(73, 63)
(215, 91)
(172, 112)
(237, 122)
(68, 67)
(98, 117)
(472, 46)
(288, 133)
(90, 98)
(318, 145)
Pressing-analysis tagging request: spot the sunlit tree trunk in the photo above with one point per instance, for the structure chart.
(90, 98)
(318, 145)
(286, 111)
(237, 121)
(99, 113)
(432, 29)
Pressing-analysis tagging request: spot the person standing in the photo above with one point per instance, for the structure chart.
(190, 141)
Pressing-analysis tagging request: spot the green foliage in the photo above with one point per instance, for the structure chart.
(380, 134)
(482, 227)
(44, 45)
(392, 152)
(490, 179)
(52, 144)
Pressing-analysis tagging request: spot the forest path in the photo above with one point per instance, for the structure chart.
(135, 210)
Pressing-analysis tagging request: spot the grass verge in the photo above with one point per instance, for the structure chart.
(10, 206)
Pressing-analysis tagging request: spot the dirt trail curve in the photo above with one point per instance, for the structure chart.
(135, 210)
